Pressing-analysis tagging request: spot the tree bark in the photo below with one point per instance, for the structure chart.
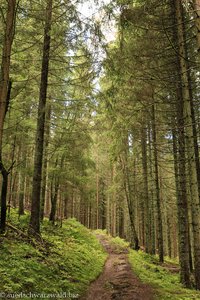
(181, 195)
(187, 114)
(158, 204)
(152, 202)
(21, 197)
(34, 225)
(196, 8)
(128, 195)
(3, 199)
(145, 188)
(5, 63)
(54, 198)
(5, 88)
(45, 162)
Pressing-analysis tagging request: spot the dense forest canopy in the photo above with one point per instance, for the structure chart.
(100, 120)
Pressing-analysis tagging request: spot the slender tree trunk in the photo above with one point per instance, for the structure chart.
(196, 8)
(45, 162)
(3, 199)
(169, 244)
(55, 190)
(128, 195)
(21, 194)
(181, 195)
(108, 225)
(66, 200)
(145, 188)
(97, 195)
(114, 219)
(54, 198)
(158, 204)
(34, 225)
(121, 222)
(82, 208)
(11, 175)
(103, 205)
(152, 204)
(13, 190)
(22, 179)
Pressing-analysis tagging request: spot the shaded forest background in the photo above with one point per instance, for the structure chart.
(107, 133)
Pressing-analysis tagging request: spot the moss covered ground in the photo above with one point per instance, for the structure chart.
(165, 283)
(67, 259)
(59, 267)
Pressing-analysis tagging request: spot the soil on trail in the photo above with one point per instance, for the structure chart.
(117, 282)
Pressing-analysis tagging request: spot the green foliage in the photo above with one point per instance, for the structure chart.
(116, 242)
(119, 244)
(101, 232)
(165, 284)
(20, 222)
(72, 258)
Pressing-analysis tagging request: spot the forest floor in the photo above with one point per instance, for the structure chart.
(117, 281)
(70, 262)
(59, 266)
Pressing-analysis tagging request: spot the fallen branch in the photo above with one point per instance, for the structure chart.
(20, 232)
(39, 243)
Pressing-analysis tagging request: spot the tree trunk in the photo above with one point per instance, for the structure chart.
(145, 189)
(5, 88)
(45, 162)
(187, 114)
(190, 90)
(34, 225)
(66, 200)
(108, 221)
(128, 195)
(181, 195)
(5, 63)
(54, 198)
(21, 194)
(97, 196)
(196, 8)
(10, 188)
(152, 204)
(158, 204)
(3, 200)
(121, 222)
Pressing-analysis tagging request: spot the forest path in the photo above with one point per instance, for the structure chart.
(117, 282)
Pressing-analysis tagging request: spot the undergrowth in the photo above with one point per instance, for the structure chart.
(165, 284)
(116, 243)
(68, 260)
(65, 264)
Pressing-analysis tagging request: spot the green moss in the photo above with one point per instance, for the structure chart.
(72, 259)
(118, 244)
(101, 231)
(165, 284)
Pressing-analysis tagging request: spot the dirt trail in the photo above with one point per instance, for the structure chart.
(117, 282)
